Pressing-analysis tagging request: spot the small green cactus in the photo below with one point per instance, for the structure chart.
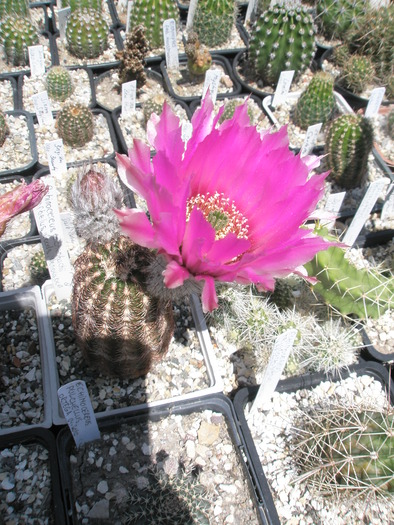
(341, 55)
(16, 35)
(86, 33)
(230, 107)
(97, 5)
(4, 129)
(75, 124)
(390, 124)
(59, 83)
(155, 105)
(199, 59)
(317, 103)
(14, 8)
(213, 21)
(349, 142)
(282, 295)
(151, 15)
(344, 450)
(356, 73)
(282, 38)
(335, 17)
(38, 269)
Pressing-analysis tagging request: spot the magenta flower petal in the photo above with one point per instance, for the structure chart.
(175, 275)
(209, 297)
(136, 225)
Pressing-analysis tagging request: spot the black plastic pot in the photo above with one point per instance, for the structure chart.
(258, 487)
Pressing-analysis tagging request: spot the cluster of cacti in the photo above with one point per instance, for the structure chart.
(390, 124)
(317, 103)
(86, 33)
(16, 35)
(349, 142)
(346, 450)
(59, 83)
(199, 59)
(38, 269)
(14, 8)
(336, 17)
(75, 124)
(213, 21)
(356, 73)
(151, 16)
(79, 4)
(132, 57)
(282, 38)
(4, 129)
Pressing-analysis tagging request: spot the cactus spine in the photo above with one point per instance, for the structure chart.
(282, 39)
(199, 59)
(356, 73)
(59, 83)
(151, 15)
(16, 35)
(4, 129)
(75, 124)
(335, 17)
(14, 7)
(214, 20)
(317, 103)
(86, 33)
(349, 142)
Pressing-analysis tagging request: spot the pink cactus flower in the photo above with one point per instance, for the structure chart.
(229, 207)
(21, 198)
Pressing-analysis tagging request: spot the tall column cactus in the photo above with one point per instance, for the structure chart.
(317, 103)
(282, 38)
(336, 17)
(16, 35)
(213, 21)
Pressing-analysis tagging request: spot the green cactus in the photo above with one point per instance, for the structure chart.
(59, 83)
(390, 124)
(97, 5)
(335, 17)
(213, 21)
(38, 269)
(155, 104)
(344, 449)
(356, 73)
(86, 33)
(350, 290)
(16, 35)
(14, 7)
(199, 59)
(230, 107)
(317, 103)
(349, 142)
(75, 124)
(120, 329)
(4, 129)
(282, 38)
(151, 15)
(341, 55)
(282, 295)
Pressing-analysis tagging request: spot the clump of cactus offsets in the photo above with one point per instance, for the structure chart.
(356, 73)
(349, 142)
(14, 7)
(59, 83)
(16, 35)
(199, 59)
(75, 124)
(4, 129)
(282, 38)
(335, 17)
(214, 20)
(86, 33)
(151, 15)
(132, 57)
(317, 103)
(343, 451)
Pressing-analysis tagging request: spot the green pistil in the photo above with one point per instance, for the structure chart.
(218, 219)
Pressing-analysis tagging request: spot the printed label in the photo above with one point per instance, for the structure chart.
(283, 87)
(56, 157)
(62, 17)
(36, 61)
(129, 95)
(362, 214)
(212, 79)
(190, 14)
(333, 205)
(280, 354)
(78, 411)
(129, 8)
(310, 139)
(171, 47)
(250, 10)
(374, 101)
(388, 205)
(42, 106)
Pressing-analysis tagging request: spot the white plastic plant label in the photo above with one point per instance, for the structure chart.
(128, 15)
(50, 228)
(211, 81)
(310, 139)
(42, 106)
(56, 157)
(62, 17)
(78, 411)
(170, 44)
(190, 14)
(129, 95)
(283, 87)
(372, 194)
(36, 61)
(388, 205)
(280, 354)
(333, 205)
(252, 4)
(374, 102)
(69, 233)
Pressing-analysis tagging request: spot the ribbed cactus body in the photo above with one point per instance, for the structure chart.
(59, 83)
(78, 4)
(120, 329)
(75, 124)
(356, 73)
(346, 449)
(335, 17)
(199, 59)
(86, 33)
(155, 104)
(213, 21)
(317, 103)
(4, 130)
(349, 142)
(14, 7)
(281, 39)
(390, 124)
(16, 35)
(151, 14)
